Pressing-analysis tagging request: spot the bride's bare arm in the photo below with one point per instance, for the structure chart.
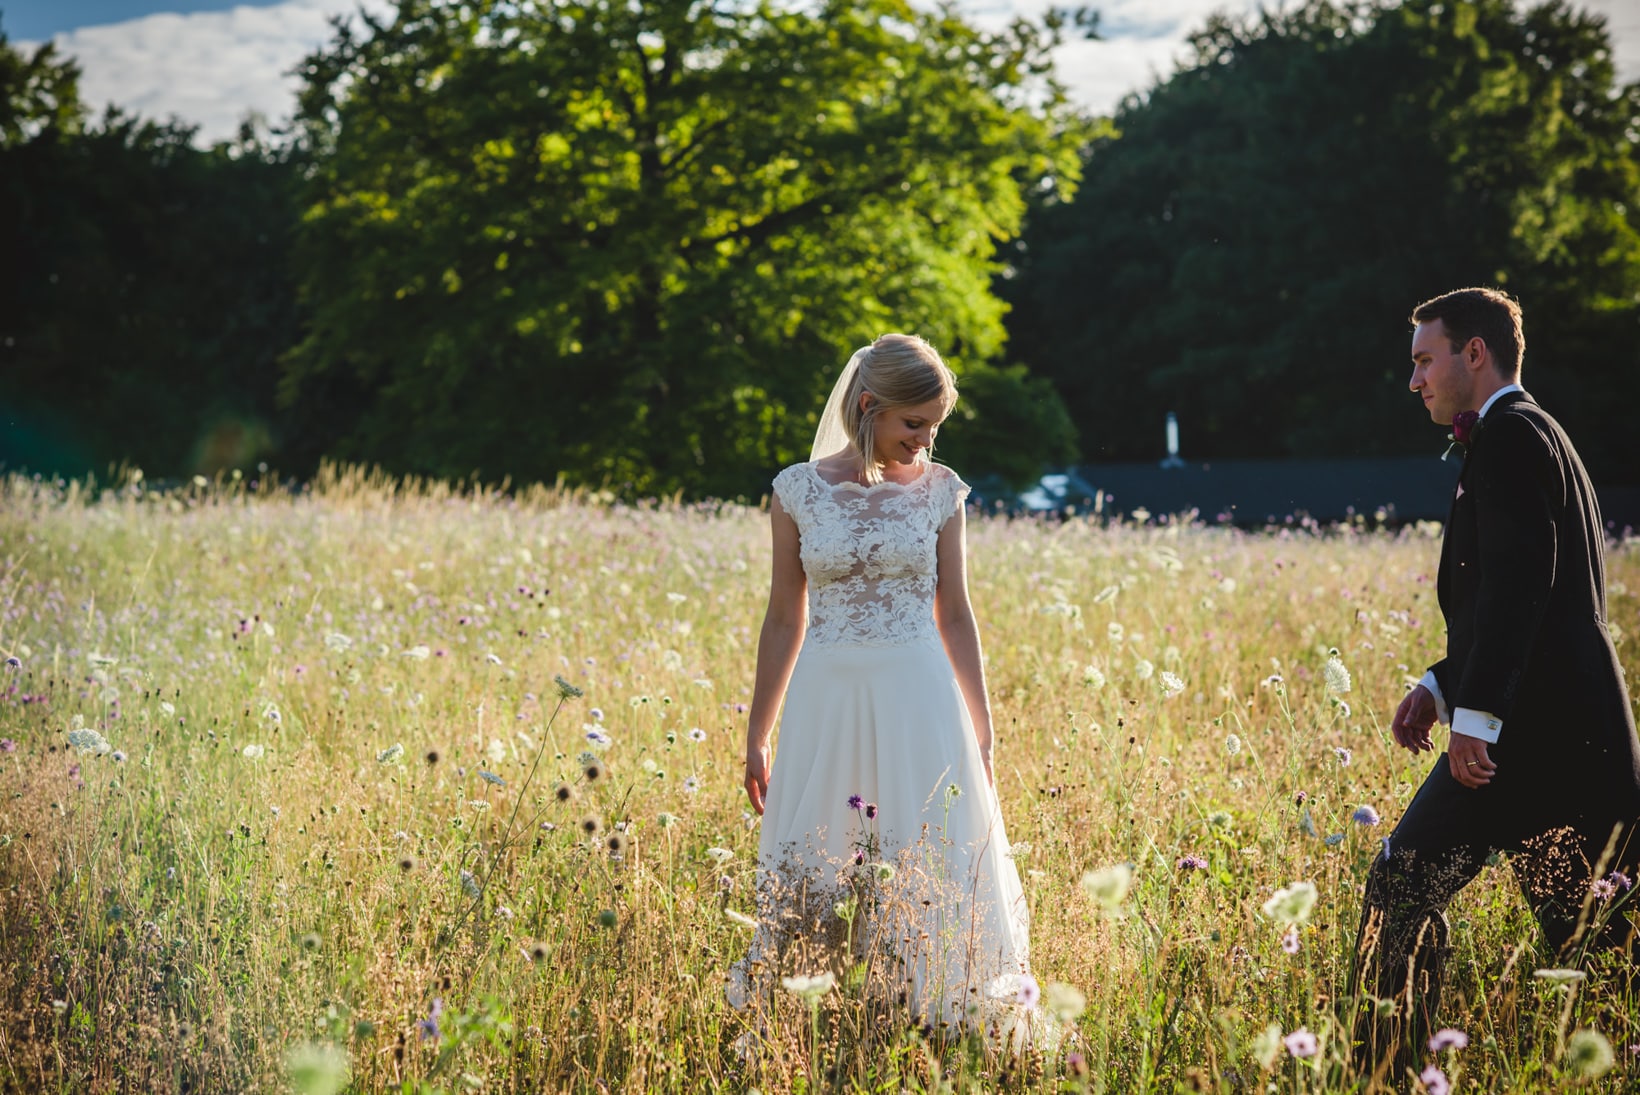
(777, 647)
(958, 630)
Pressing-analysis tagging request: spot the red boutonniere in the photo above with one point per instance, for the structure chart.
(1463, 432)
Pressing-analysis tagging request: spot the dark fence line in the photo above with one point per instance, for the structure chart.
(1266, 492)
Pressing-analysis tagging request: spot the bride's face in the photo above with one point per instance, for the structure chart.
(903, 433)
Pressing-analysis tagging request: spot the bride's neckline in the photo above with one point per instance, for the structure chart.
(850, 484)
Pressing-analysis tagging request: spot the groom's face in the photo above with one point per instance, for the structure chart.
(1440, 374)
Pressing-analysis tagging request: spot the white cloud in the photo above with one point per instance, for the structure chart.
(212, 68)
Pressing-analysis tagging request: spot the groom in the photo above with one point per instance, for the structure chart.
(1542, 760)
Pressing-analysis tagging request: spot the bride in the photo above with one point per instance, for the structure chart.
(883, 853)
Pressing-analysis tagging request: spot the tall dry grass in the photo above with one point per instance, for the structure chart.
(346, 778)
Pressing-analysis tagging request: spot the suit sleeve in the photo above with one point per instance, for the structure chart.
(1518, 497)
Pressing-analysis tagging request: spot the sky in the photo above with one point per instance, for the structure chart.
(213, 62)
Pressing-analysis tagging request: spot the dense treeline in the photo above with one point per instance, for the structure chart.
(632, 243)
(1246, 244)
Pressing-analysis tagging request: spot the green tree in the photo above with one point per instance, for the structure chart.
(145, 293)
(1246, 250)
(633, 242)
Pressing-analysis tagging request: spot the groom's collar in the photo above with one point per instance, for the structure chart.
(1499, 394)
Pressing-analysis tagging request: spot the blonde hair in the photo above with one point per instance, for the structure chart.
(897, 371)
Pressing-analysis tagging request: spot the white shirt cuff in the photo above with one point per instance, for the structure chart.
(1477, 724)
(1434, 689)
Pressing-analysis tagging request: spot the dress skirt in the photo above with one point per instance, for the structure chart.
(883, 850)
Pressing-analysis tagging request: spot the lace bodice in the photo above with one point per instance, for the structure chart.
(869, 553)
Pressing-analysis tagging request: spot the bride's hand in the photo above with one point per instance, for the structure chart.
(985, 756)
(757, 777)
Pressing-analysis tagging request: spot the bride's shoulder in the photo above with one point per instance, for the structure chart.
(944, 473)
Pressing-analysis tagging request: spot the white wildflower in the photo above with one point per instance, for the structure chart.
(1338, 677)
(1291, 904)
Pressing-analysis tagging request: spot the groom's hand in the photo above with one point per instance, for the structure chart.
(1469, 761)
(1413, 720)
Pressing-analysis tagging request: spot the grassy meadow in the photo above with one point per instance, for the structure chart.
(280, 771)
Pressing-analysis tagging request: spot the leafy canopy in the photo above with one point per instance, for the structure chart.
(633, 242)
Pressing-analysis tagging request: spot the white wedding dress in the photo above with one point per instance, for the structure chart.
(938, 920)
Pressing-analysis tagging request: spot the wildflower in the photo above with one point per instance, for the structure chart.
(1093, 677)
(252, 752)
(14, 662)
(167, 709)
(1291, 904)
(1336, 676)
(568, 691)
(469, 884)
(1232, 744)
(563, 792)
(1435, 1081)
(809, 989)
(1588, 1055)
(1063, 1002)
(697, 734)
(1192, 863)
(594, 771)
(1076, 1065)
(726, 883)
(493, 659)
(597, 714)
(598, 737)
(721, 855)
(1448, 1038)
(1144, 669)
(1114, 631)
(429, 1026)
(1109, 886)
(393, 754)
(591, 824)
(952, 791)
(119, 756)
(1559, 976)
(407, 863)
(1266, 1046)
(691, 784)
(419, 653)
(538, 952)
(86, 740)
(1301, 798)
(1300, 1043)
(740, 918)
(1621, 880)
(883, 873)
(616, 844)
(1604, 889)
(856, 802)
(311, 941)
(1219, 819)
(1306, 824)
(1029, 991)
(432, 756)
(337, 641)
(871, 809)
(1344, 756)
(666, 820)
(317, 1068)
(1289, 940)
(504, 912)
(478, 804)
(1365, 815)
(491, 778)
(1334, 840)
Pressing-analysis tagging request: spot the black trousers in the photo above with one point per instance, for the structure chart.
(1440, 844)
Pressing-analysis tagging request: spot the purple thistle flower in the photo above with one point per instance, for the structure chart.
(7, 745)
(1435, 1081)
(1620, 879)
(1192, 863)
(1301, 798)
(1448, 1038)
(856, 802)
(14, 662)
(871, 809)
(429, 1025)
(1365, 815)
(859, 857)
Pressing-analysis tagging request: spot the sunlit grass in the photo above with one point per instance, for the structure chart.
(324, 710)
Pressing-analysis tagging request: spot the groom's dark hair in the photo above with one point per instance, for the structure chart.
(1488, 314)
